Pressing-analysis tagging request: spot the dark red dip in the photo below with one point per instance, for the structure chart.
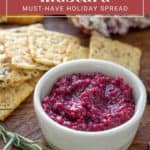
(90, 102)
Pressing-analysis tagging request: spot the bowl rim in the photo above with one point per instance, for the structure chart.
(134, 119)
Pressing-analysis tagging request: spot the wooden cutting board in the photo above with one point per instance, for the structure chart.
(24, 121)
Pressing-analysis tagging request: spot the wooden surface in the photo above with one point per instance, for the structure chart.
(24, 121)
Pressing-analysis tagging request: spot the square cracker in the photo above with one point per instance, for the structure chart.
(49, 47)
(24, 29)
(76, 51)
(115, 51)
(17, 49)
(11, 98)
(14, 44)
(10, 77)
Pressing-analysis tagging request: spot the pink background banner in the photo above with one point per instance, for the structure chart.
(146, 6)
(2, 7)
(75, 7)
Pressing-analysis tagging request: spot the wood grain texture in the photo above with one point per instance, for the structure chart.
(24, 121)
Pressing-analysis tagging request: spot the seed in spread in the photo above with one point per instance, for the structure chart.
(89, 102)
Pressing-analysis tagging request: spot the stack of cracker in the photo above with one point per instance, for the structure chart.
(25, 54)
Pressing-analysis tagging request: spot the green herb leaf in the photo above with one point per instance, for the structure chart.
(14, 139)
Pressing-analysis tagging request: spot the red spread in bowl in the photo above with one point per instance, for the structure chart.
(90, 102)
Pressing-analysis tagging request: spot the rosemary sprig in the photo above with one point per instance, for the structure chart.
(14, 139)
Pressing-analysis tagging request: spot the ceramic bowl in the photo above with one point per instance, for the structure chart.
(63, 138)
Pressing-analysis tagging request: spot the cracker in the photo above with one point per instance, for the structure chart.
(48, 47)
(16, 48)
(10, 77)
(2, 50)
(24, 29)
(115, 51)
(76, 51)
(11, 98)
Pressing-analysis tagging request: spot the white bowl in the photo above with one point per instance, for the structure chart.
(63, 138)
